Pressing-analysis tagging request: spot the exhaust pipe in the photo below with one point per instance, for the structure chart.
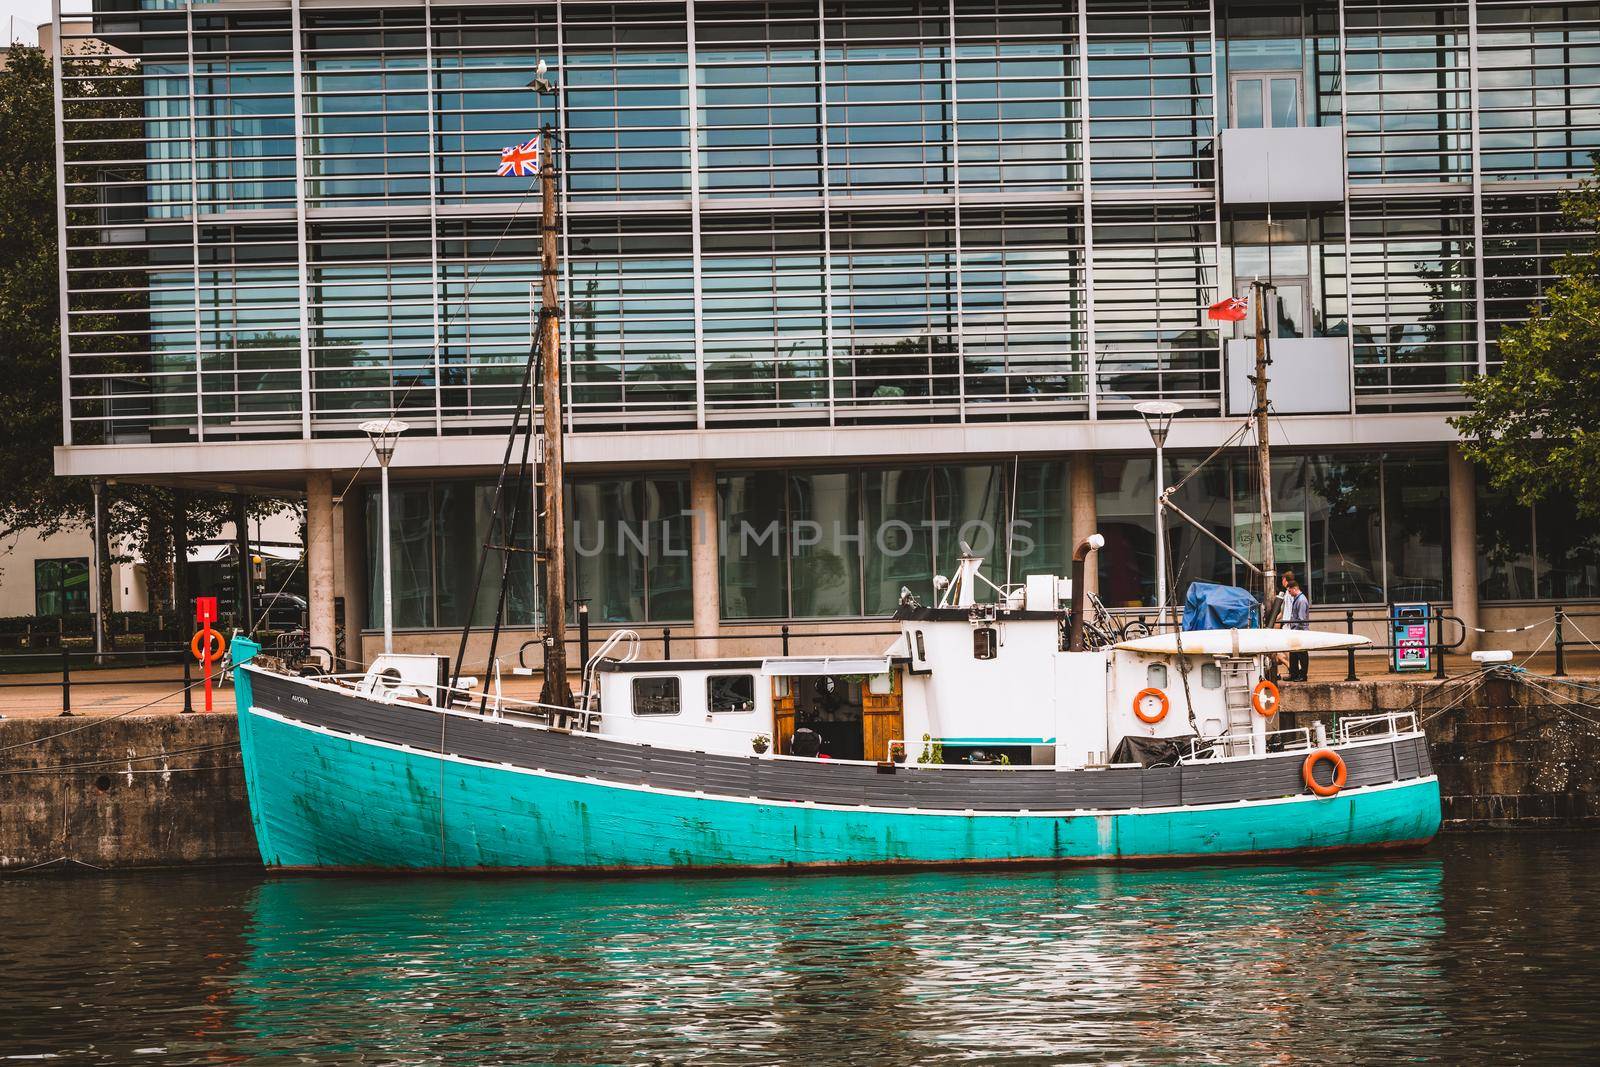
(1079, 555)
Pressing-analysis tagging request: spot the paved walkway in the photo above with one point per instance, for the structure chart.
(158, 690)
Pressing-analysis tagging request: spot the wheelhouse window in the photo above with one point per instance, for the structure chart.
(731, 692)
(656, 696)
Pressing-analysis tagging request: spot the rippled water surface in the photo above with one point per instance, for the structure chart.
(1480, 950)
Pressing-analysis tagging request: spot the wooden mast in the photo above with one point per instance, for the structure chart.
(553, 554)
(1269, 571)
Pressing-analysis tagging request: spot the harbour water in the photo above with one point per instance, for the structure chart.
(1480, 949)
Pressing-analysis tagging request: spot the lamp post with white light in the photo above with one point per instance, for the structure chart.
(1157, 416)
(384, 433)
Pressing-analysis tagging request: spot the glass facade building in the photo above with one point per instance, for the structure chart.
(850, 218)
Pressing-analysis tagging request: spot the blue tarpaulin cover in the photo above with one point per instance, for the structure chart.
(1210, 606)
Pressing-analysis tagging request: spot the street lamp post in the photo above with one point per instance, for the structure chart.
(1157, 416)
(384, 433)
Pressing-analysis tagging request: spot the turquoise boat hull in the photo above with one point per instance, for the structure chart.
(326, 800)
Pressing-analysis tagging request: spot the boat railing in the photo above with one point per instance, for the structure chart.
(1241, 742)
(631, 653)
(1384, 724)
(464, 698)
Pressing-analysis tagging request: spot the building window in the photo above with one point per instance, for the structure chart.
(1358, 529)
(655, 696)
(731, 692)
(628, 545)
(1543, 552)
(822, 544)
(1264, 99)
(60, 586)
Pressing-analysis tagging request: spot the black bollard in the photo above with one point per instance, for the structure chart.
(1438, 637)
(1350, 653)
(1561, 646)
(66, 681)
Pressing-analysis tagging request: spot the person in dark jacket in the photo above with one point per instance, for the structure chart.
(1296, 616)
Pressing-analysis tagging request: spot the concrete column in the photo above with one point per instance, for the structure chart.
(1464, 544)
(319, 556)
(703, 555)
(353, 572)
(1080, 479)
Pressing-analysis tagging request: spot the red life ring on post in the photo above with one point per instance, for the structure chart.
(1138, 706)
(1310, 766)
(1263, 708)
(210, 654)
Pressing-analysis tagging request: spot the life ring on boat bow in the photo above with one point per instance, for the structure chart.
(1307, 771)
(213, 652)
(1264, 708)
(1138, 706)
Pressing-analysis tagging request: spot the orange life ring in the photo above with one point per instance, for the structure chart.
(1339, 772)
(1138, 708)
(1262, 709)
(214, 654)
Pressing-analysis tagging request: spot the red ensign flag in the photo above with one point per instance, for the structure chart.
(1233, 309)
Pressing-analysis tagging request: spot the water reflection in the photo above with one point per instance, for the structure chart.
(903, 969)
(1459, 955)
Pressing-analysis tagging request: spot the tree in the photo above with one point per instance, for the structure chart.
(1535, 425)
(30, 403)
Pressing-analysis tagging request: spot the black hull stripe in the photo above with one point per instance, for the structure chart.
(957, 788)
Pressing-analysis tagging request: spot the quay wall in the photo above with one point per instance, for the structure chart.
(168, 790)
(129, 791)
(1510, 751)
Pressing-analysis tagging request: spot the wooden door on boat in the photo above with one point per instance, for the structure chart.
(882, 718)
(782, 714)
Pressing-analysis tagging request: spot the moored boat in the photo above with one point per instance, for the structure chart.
(986, 733)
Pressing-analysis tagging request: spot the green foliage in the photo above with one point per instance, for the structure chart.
(1535, 425)
(30, 403)
(31, 496)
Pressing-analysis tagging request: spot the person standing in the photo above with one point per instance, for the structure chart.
(1296, 616)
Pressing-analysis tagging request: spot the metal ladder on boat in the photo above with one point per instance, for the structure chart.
(1236, 739)
(631, 653)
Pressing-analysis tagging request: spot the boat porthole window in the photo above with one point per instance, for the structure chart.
(985, 643)
(731, 692)
(655, 696)
(1210, 676)
(922, 650)
(1155, 675)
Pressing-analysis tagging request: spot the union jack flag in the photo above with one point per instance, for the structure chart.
(519, 160)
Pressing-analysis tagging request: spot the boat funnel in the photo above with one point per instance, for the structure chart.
(1079, 555)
